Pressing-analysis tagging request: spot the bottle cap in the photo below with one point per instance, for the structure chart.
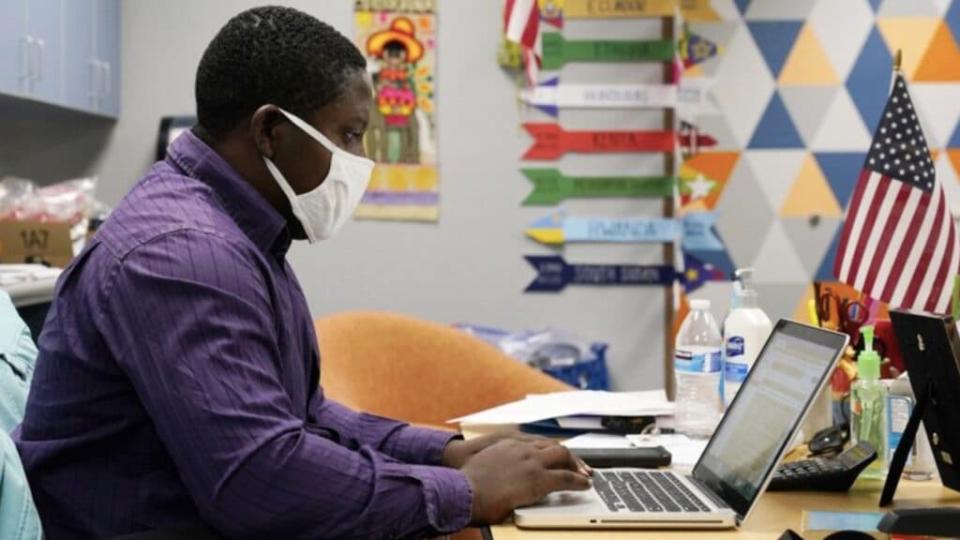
(868, 362)
(700, 304)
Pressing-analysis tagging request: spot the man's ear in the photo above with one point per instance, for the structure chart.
(266, 129)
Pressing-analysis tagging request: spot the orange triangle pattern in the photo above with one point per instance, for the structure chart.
(954, 155)
(716, 166)
(941, 63)
(912, 35)
(807, 63)
(810, 194)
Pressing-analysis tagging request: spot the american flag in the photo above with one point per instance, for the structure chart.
(899, 243)
(521, 24)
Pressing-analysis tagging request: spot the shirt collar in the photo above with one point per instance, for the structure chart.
(252, 213)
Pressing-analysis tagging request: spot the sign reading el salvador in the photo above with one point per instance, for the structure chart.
(550, 96)
(550, 141)
(554, 274)
(694, 230)
(550, 186)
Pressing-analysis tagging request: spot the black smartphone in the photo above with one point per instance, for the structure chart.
(643, 458)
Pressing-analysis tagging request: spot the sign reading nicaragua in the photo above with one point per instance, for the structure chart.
(550, 141)
(695, 230)
(558, 51)
(550, 186)
(554, 274)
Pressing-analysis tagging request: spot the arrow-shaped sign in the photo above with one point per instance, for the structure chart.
(550, 186)
(549, 96)
(554, 274)
(550, 141)
(557, 51)
(695, 230)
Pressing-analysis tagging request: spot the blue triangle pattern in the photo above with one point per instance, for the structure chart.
(842, 170)
(869, 80)
(825, 272)
(742, 5)
(955, 138)
(775, 39)
(776, 129)
(952, 18)
(875, 4)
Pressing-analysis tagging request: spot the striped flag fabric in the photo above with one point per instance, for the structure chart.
(899, 243)
(521, 24)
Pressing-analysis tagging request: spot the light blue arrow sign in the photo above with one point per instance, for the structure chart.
(695, 230)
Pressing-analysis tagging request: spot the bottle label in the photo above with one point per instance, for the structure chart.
(706, 362)
(734, 371)
(735, 346)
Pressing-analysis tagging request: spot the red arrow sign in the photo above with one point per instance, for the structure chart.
(550, 141)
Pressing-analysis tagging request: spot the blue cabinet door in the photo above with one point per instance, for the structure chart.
(108, 52)
(79, 60)
(13, 34)
(44, 20)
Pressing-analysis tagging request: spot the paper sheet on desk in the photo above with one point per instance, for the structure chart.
(684, 451)
(597, 440)
(579, 402)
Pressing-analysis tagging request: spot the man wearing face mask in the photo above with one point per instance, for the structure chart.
(177, 381)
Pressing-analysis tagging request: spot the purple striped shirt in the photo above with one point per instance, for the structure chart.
(178, 380)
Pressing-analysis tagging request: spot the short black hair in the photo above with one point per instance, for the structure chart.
(275, 55)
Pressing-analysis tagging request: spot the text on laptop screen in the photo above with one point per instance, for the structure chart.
(756, 426)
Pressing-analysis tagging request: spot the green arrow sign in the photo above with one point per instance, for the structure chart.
(557, 51)
(551, 187)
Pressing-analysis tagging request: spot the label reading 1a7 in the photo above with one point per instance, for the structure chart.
(35, 239)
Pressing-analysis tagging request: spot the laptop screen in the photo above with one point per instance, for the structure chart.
(767, 411)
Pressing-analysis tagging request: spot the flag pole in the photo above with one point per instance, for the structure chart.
(897, 60)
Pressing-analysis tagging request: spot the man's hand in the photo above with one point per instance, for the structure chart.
(458, 452)
(514, 472)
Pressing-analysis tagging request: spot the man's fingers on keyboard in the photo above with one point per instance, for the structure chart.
(564, 480)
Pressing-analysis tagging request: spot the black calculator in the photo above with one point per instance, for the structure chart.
(824, 474)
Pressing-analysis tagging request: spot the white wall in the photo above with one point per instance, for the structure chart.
(469, 266)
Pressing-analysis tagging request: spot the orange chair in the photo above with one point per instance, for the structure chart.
(418, 371)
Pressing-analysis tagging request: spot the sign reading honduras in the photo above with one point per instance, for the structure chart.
(550, 96)
(695, 230)
(554, 274)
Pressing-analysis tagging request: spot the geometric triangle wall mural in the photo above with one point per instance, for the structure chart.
(805, 143)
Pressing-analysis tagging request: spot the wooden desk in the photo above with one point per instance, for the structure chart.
(776, 512)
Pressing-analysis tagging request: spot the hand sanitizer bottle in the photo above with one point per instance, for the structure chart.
(868, 406)
(745, 331)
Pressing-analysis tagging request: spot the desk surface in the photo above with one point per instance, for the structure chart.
(776, 512)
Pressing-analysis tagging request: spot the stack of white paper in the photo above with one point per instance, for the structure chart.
(578, 403)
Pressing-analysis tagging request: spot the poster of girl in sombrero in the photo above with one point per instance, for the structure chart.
(399, 40)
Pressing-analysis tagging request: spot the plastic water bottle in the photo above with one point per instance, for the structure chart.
(745, 331)
(698, 369)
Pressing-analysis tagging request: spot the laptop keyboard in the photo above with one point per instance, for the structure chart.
(628, 491)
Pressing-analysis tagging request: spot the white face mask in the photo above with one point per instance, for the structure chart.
(323, 210)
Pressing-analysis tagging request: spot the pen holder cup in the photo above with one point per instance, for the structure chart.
(587, 373)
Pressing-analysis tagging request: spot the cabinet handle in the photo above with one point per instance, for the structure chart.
(39, 47)
(25, 69)
(106, 78)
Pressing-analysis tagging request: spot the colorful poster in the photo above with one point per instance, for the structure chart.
(398, 38)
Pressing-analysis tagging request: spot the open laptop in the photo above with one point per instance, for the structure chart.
(736, 466)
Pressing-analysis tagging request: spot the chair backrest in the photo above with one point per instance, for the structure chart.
(418, 371)
(18, 355)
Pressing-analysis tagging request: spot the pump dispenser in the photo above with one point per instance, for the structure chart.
(868, 406)
(745, 330)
